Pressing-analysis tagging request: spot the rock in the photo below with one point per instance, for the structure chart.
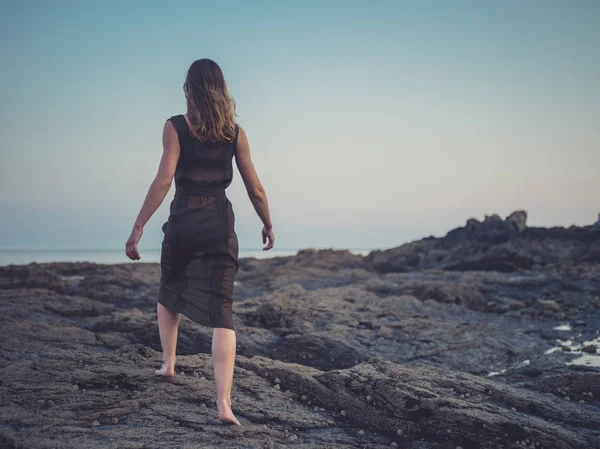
(549, 304)
(518, 220)
(493, 245)
(390, 340)
(386, 332)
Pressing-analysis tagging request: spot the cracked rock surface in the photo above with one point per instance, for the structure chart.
(414, 347)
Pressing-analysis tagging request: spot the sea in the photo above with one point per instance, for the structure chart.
(23, 256)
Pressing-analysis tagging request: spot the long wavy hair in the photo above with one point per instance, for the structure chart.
(210, 107)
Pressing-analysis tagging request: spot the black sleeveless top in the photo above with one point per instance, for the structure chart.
(203, 168)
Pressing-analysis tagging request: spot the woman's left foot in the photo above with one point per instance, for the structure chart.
(167, 370)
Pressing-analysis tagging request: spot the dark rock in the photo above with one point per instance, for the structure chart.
(518, 220)
(493, 245)
(451, 341)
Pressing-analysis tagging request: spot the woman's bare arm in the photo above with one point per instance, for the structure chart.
(254, 187)
(158, 189)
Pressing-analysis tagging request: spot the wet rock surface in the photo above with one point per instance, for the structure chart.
(419, 346)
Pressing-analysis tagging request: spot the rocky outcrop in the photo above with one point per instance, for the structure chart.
(518, 220)
(333, 351)
(79, 399)
(493, 245)
(596, 225)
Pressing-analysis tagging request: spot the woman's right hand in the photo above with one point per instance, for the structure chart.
(268, 234)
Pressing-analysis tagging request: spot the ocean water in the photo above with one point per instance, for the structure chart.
(21, 256)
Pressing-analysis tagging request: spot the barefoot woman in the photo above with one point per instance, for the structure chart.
(199, 255)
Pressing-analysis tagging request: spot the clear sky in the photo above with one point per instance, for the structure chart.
(370, 123)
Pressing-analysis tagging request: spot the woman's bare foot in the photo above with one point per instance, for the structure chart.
(167, 369)
(225, 414)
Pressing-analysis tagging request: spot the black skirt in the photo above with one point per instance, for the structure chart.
(199, 259)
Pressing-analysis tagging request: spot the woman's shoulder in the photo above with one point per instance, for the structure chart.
(176, 118)
(178, 121)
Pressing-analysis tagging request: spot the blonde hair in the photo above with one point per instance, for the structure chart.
(210, 107)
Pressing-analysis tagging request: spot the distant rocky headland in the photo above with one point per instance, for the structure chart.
(488, 337)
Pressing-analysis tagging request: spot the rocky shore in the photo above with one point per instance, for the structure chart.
(488, 337)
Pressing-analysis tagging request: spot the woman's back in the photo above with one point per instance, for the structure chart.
(202, 167)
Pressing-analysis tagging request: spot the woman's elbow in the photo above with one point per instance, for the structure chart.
(164, 181)
(257, 193)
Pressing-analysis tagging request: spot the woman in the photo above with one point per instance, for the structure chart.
(199, 255)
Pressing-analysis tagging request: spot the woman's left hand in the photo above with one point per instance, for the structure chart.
(131, 247)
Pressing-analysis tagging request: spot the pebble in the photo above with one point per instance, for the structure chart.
(394, 444)
(462, 396)
(467, 394)
(196, 374)
(399, 432)
(513, 409)
(50, 403)
(277, 386)
(448, 430)
(304, 397)
(95, 423)
(75, 387)
(490, 392)
(361, 432)
(116, 387)
(293, 437)
(343, 413)
(369, 398)
(115, 420)
(458, 447)
(277, 380)
(42, 402)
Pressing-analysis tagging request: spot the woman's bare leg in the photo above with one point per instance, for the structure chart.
(168, 324)
(223, 355)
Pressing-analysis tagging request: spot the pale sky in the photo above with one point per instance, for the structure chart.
(370, 123)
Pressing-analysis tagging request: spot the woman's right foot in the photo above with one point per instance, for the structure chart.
(167, 369)
(226, 416)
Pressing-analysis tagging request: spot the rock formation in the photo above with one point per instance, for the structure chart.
(485, 338)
